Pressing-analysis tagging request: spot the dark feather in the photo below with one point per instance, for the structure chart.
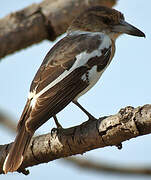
(15, 157)
(56, 98)
(60, 58)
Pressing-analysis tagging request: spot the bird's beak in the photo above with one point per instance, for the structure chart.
(124, 27)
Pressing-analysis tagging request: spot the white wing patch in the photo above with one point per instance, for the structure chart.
(81, 60)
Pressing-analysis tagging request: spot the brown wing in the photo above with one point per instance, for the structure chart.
(60, 58)
(56, 98)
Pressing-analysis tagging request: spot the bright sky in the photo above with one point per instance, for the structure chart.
(125, 82)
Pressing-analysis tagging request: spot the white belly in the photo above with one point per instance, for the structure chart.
(93, 77)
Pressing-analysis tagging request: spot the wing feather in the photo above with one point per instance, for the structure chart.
(60, 58)
(56, 98)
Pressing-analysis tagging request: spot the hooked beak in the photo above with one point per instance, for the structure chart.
(124, 27)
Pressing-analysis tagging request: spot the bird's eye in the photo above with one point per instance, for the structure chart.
(106, 20)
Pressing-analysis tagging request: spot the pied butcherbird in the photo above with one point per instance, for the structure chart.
(69, 70)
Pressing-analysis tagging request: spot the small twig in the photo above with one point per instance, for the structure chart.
(7, 122)
(89, 165)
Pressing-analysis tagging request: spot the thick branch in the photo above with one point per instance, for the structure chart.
(37, 22)
(107, 131)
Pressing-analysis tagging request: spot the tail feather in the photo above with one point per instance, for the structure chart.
(16, 154)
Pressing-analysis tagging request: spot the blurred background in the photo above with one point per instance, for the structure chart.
(125, 82)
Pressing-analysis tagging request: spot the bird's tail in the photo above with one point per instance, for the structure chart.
(16, 154)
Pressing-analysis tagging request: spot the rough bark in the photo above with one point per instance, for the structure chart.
(128, 123)
(46, 20)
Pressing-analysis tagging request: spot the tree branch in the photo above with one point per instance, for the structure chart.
(89, 165)
(46, 20)
(7, 122)
(107, 131)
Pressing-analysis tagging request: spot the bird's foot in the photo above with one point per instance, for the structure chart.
(54, 132)
(91, 118)
(57, 123)
(85, 111)
(119, 146)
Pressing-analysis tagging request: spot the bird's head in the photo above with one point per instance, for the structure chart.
(106, 20)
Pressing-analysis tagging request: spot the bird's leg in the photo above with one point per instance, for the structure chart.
(57, 122)
(84, 110)
(54, 131)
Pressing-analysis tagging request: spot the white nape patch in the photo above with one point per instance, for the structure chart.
(81, 60)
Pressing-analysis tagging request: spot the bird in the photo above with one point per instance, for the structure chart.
(71, 68)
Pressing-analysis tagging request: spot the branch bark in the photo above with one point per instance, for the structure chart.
(46, 20)
(128, 123)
